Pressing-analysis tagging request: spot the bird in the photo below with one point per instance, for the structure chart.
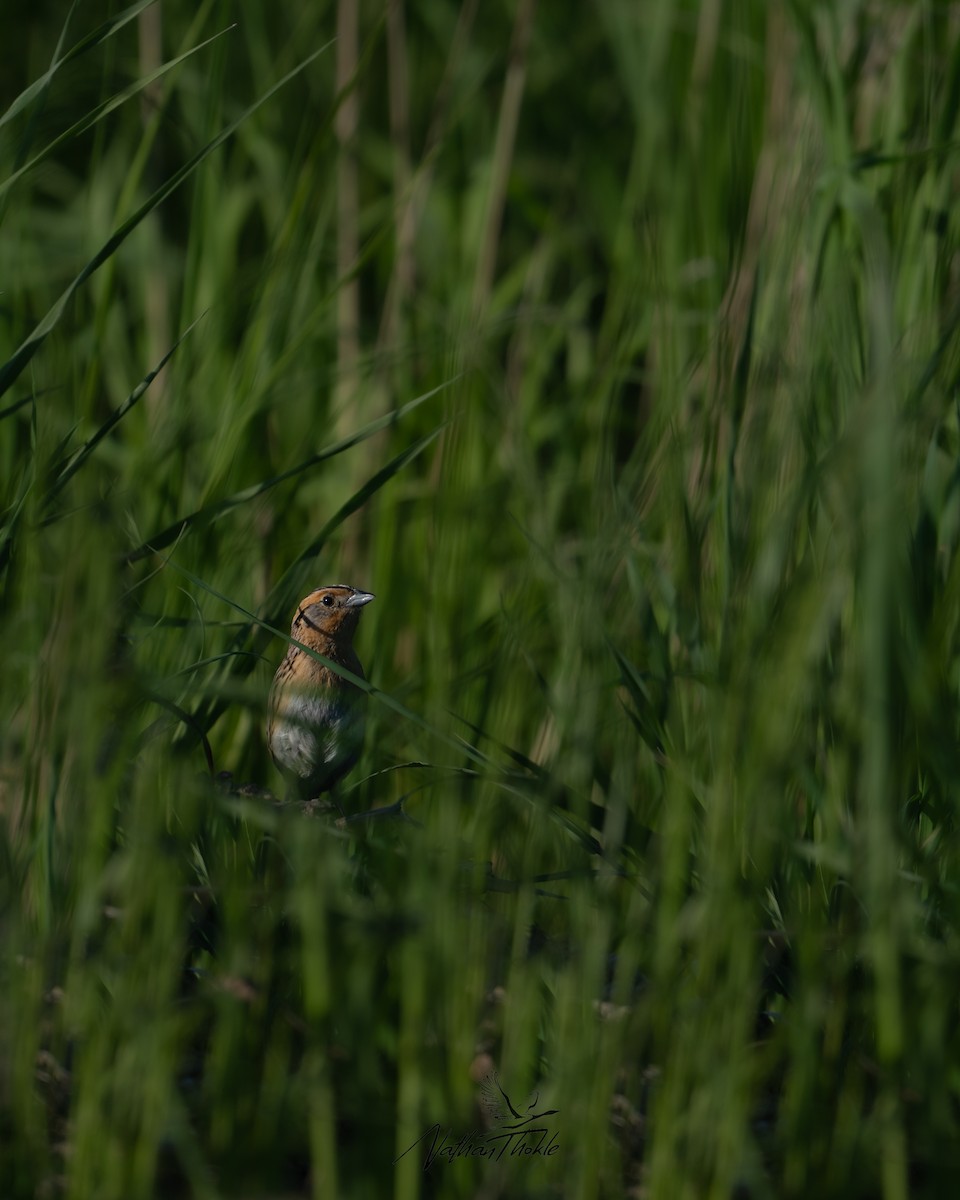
(315, 717)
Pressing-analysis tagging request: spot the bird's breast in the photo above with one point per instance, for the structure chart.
(308, 731)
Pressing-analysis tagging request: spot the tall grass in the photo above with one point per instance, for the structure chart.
(616, 353)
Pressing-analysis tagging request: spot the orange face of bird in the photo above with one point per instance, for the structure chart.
(330, 612)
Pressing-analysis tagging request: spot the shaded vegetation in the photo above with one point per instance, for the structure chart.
(617, 354)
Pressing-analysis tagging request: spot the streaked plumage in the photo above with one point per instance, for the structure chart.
(314, 716)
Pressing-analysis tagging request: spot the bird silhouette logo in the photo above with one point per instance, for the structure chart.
(500, 1109)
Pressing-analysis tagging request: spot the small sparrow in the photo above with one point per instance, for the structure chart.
(314, 716)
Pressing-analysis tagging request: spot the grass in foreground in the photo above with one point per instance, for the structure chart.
(622, 368)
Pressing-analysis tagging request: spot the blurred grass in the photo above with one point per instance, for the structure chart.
(618, 357)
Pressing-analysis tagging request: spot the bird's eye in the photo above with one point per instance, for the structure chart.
(327, 600)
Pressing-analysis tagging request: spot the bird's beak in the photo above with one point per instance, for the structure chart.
(358, 599)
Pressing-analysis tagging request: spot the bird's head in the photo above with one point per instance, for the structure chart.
(331, 612)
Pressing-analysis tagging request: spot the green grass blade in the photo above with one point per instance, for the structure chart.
(12, 368)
